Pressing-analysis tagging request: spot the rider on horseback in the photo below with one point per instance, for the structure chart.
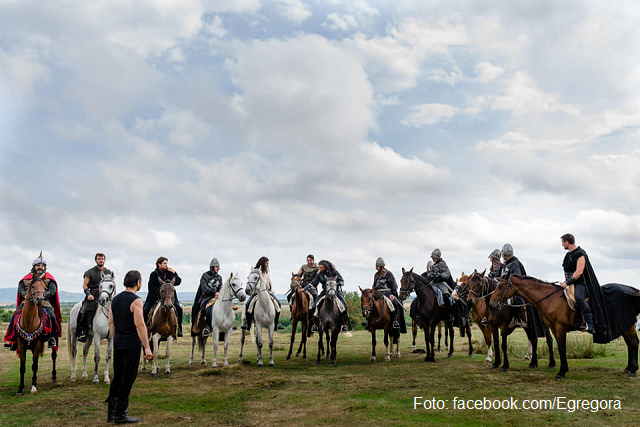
(574, 264)
(160, 275)
(51, 304)
(513, 265)
(495, 270)
(261, 271)
(91, 288)
(384, 282)
(326, 270)
(307, 272)
(210, 285)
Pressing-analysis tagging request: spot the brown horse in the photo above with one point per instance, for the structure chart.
(299, 313)
(479, 309)
(378, 315)
(480, 288)
(556, 314)
(430, 312)
(31, 334)
(163, 327)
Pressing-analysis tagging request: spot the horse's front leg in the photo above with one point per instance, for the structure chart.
(561, 339)
(193, 347)
(73, 354)
(631, 339)
(259, 344)
(85, 354)
(497, 360)
(328, 353)
(505, 335)
(54, 356)
(242, 331)
(386, 344)
(96, 359)
(154, 366)
(294, 326)
(271, 328)
(320, 344)
(373, 345)
(549, 338)
(414, 332)
(335, 332)
(23, 367)
(107, 380)
(440, 336)
(167, 367)
(215, 334)
(37, 350)
(449, 330)
(533, 342)
(468, 330)
(303, 341)
(227, 335)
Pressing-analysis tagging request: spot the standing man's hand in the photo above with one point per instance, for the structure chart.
(147, 353)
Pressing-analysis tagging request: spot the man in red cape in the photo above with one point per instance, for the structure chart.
(51, 305)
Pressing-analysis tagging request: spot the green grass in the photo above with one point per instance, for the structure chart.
(355, 392)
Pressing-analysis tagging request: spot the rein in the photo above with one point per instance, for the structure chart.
(525, 304)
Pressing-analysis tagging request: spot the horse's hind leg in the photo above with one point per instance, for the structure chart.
(259, 344)
(505, 364)
(631, 339)
(34, 367)
(386, 345)
(193, 347)
(497, 360)
(533, 342)
(294, 326)
(271, 328)
(241, 344)
(414, 332)
(85, 354)
(303, 341)
(227, 335)
(216, 336)
(328, 353)
(107, 380)
(449, 330)
(468, 329)
(440, 336)
(549, 338)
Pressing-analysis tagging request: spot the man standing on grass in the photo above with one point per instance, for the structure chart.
(129, 332)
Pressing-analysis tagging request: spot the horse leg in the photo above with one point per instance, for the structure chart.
(334, 339)
(294, 326)
(242, 331)
(37, 349)
(468, 329)
(107, 380)
(426, 329)
(446, 341)
(440, 336)
(215, 334)
(73, 354)
(85, 354)
(23, 366)
(259, 343)
(432, 342)
(193, 346)
(271, 329)
(449, 329)
(552, 359)
(386, 344)
(414, 332)
(154, 366)
(561, 339)
(54, 356)
(320, 343)
(303, 342)
(227, 335)
(505, 334)
(631, 339)
(167, 368)
(203, 349)
(533, 342)
(496, 345)
(96, 359)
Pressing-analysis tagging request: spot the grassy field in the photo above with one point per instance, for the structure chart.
(355, 392)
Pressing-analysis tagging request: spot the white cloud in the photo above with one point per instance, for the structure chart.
(340, 22)
(429, 114)
(487, 72)
(294, 10)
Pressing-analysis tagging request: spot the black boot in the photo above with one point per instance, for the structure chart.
(179, 318)
(81, 329)
(248, 318)
(345, 322)
(278, 326)
(396, 324)
(121, 416)
(588, 319)
(111, 410)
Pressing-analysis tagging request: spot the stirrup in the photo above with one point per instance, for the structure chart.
(205, 332)
(314, 328)
(7, 346)
(344, 328)
(484, 321)
(279, 327)
(396, 324)
(82, 337)
(52, 342)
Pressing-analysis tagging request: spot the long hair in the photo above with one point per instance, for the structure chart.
(262, 264)
(328, 265)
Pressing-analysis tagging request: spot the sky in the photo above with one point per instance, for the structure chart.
(345, 129)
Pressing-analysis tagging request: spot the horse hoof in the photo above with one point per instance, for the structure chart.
(298, 355)
(190, 362)
(54, 380)
(551, 366)
(85, 377)
(289, 357)
(107, 381)
(167, 373)
(559, 377)
(398, 354)
(439, 351)
(95, 382)
(72, 379)
(503, 369)
(18, 394)
(317, 362)
(34, 390)
(154, 376)
(533, 365)
(372, 359)
(470, 354)
(214, 366)
(494, 367)
(333, 362)
(271, 365)
(631, 374)
(387, 359)
(304, 357)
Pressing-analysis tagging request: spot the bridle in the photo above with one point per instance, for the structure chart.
(162, 295)
(32, 295)
(411, 288)
(510, 283)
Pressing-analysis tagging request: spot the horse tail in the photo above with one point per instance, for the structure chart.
(199, 341)
(69, 349)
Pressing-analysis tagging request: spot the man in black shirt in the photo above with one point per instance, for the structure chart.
(91, 288)
(129, 332)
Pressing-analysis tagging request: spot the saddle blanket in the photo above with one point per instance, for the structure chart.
(255, 300)
(570, 295)
(341, 306)
(389, 303)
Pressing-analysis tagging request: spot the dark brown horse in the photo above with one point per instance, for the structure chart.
(430, 312)
(31, 335)
(163, 327)
(556, 314)
(480, 289)
(378, 315)
(299, 313)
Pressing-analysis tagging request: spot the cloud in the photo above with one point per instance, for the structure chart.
(487, 72)
(429, 114)
(340, 22)
(294, 10)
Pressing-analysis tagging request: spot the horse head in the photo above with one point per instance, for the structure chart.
(35, 291)
(331, 287)
(252, 282)
(235, 284)
(295, 282)
(167, 293)
(504, 290)
(366, 301)
(406, 284)
(107, 288)
(477, 286)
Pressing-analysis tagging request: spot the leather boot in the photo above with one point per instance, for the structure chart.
(121, 416)
(276, 321)
(111, 410)
(247, 321)
(588, 319)
(179, 319)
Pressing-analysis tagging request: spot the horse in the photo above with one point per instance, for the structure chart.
(378, 315)
(430, 312)
(222, 318)
(329, 321)
(299, 313)
(414, 334)
(480, 288)
(556, 314)
(479, 310)
(264, 314)
(31, 333)
(100, 331)
(164, 326)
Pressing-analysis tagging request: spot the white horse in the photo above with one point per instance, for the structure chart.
(264, 314)
(222, 318)
(100, 332)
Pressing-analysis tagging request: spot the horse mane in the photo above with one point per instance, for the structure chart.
(534, 279)
(376, 294)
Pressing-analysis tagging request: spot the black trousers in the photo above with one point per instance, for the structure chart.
(125, 370)
(580, 292)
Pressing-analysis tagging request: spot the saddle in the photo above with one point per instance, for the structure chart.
(570, 295)
(341, 307)
(255, 300)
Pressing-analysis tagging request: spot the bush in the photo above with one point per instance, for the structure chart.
(5, 315)
(355, 310)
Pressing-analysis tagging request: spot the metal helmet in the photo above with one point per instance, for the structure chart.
(214, 263)
(380, 262)
(436, 253)
(429, 265)
(495, 254)
(39, 260)
(507, 249)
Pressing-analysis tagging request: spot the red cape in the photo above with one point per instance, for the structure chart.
(54, 300)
